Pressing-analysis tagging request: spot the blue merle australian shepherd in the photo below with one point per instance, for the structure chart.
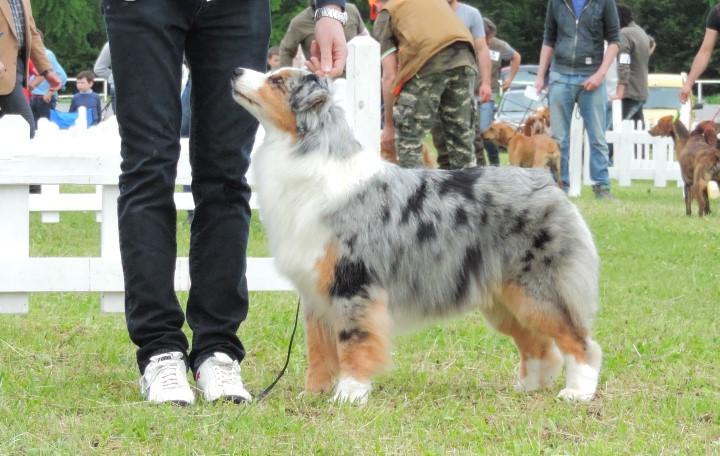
(374, 249)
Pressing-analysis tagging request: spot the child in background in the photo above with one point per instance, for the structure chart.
(273, 58)
(86, 97)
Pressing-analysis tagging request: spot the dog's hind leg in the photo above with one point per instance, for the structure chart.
(323, 364)
(540, 360)
(363, 340)
(583, 355)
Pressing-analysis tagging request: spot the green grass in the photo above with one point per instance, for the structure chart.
(68, 379)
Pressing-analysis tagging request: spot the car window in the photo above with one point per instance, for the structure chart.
(663, 98)
(517, 102)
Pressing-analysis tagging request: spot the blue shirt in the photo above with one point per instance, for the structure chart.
(44, 86)
(90, 100)
(578, 6)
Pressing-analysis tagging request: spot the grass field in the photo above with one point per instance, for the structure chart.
(68, 378)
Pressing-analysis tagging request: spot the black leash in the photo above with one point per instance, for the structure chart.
(262, 395)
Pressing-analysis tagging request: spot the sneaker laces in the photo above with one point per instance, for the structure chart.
(166, 374)
(227, 373)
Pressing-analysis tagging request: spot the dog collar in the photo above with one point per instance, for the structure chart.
(676, 116)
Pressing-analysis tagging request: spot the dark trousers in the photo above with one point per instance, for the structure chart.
(40, 108)
(15, 102)
(216, 37)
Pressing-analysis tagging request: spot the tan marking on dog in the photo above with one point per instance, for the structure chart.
(362, 359)
(323, 363)
(277, 105)
(569, 339)
(325, 267)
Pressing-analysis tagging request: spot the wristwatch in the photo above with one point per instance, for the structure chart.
(333, 13)
(45, 73)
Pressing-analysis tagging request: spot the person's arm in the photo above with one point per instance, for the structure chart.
(514, 66)
(2, 70)
(329, 49)
(289, 44)
(389, 71)
(700, 63)
(546, 55)
(623, 66)
(103, 64)
(483, 57)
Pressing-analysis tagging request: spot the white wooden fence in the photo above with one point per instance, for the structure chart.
(637, 155)
(92, 157)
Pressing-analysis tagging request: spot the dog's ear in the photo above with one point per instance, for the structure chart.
(309, 100)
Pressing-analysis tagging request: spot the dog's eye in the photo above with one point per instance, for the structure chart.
(277, 81)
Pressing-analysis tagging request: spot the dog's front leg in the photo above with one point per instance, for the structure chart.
(363, 346)
(323, 365)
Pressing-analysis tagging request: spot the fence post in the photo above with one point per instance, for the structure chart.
(363, 90)
(623, 153)
(14, 239)
(110, 245)
(575, 153)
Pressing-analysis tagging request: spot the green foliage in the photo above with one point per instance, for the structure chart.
(73, 29)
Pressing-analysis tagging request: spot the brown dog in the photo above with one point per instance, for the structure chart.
(538, 122)
(537, 151)
(707, 168)
(688, 145)
(427, 158)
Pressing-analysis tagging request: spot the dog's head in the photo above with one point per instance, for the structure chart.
(499, 133)
(290, 100)
(706, 131)
(664, 127)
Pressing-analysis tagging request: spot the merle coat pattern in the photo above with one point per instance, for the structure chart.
(374, 249)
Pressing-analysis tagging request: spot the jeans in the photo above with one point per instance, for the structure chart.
(565, 91)
(487, 112)
(148, 39)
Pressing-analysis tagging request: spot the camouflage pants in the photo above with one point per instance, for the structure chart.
(443, 160)
(447, 96)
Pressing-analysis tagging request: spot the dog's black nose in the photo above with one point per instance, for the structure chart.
(238, 72)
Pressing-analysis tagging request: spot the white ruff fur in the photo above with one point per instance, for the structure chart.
(295, 191)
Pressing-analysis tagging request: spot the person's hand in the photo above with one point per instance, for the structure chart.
(539, 83)
(592, 83)
(48, 96)
(329, 49)
(685, 93)
(387, 140)
(485, 92)
(506, 84)
(54, 80)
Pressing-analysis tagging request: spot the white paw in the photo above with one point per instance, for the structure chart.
(353, 391)
(539, 373)
(574, 395)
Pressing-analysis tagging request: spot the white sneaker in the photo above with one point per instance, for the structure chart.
(165, 380)
(218, 377)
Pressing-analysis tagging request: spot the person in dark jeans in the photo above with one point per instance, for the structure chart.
(216, 37)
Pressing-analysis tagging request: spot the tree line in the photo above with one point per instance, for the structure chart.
(75, 31)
